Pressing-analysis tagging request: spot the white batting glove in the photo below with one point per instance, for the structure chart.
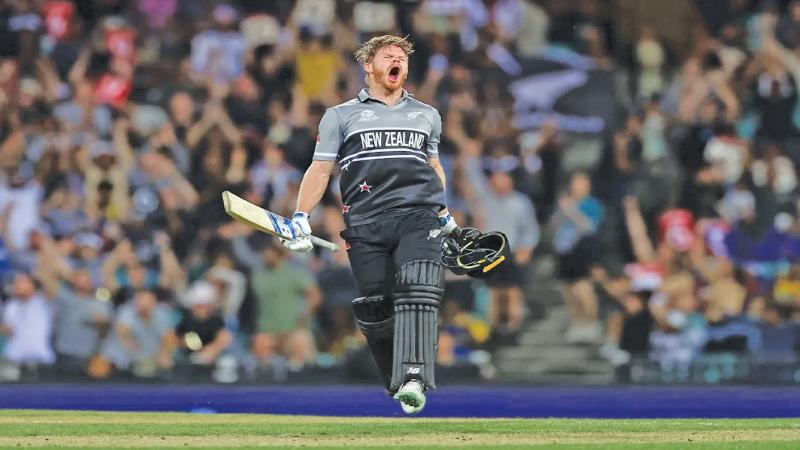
(302, 230)
(300, 224)
(447, 224)
(299, 245)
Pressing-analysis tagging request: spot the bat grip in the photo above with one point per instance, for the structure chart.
(324, 244)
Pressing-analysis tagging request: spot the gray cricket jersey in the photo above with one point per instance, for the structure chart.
(383, 152)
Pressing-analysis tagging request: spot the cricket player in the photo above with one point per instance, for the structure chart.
(386, 145)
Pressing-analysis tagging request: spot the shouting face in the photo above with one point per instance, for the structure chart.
(388, 68)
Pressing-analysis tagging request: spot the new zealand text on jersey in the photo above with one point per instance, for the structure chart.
(393, 139)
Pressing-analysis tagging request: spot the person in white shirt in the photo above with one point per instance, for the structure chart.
(27, 323)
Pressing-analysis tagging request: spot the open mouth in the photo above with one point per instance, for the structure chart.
(394, 73)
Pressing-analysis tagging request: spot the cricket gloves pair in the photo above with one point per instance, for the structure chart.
(302, 232)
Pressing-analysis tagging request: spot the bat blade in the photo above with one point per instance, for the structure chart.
(257, 217)
(265, 221)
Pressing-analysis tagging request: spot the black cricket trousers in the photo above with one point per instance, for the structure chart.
(377, 250)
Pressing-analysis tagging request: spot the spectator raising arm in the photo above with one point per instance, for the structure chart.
(52, 268)
(637, 231)
(172, 275)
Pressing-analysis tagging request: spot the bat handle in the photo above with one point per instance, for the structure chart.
(324, 244)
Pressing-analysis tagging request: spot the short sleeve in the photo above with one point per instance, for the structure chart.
(127, 317)
(329, 137)
(436, 134)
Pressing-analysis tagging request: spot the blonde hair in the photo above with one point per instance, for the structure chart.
(368, 49)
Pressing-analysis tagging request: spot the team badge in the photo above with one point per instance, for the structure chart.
(368, 115)
(365, 187)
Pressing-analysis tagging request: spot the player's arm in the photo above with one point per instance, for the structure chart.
(314, 184)
(315, 180)
(445, 219)
(437, 167)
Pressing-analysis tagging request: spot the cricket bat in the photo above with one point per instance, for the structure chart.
(265, 221)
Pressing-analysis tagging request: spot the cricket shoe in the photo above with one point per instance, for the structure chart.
(411, 396)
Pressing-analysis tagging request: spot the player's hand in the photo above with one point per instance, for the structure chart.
(447, 224)
(299, 245)
(300, 224)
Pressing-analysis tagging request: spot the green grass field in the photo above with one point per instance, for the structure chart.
(43, 429)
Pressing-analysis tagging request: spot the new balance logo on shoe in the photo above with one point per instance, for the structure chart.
(413, 371)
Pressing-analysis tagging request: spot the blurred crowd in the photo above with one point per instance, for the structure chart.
(674, 229)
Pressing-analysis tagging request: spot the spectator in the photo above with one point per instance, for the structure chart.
(201, 333)
(19, 200)
(81, 318)
(680, 331)
(232, 286)
(287, 299)
(576, 222)
(501, 208)
(143, 338)
(218, 53)
(724, 296)
(27, 323)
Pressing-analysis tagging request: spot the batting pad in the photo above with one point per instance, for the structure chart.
(415, 339)
(416, 314)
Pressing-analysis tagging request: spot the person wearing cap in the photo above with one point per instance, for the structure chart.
(201, 333)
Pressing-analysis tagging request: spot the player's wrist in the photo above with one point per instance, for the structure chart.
(300, 215)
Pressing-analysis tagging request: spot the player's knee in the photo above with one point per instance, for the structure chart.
(372, 309)
(420, 280)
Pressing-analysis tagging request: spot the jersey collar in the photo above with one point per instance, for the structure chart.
(364, 96)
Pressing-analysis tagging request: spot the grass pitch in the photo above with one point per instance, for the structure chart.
(47, 429)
